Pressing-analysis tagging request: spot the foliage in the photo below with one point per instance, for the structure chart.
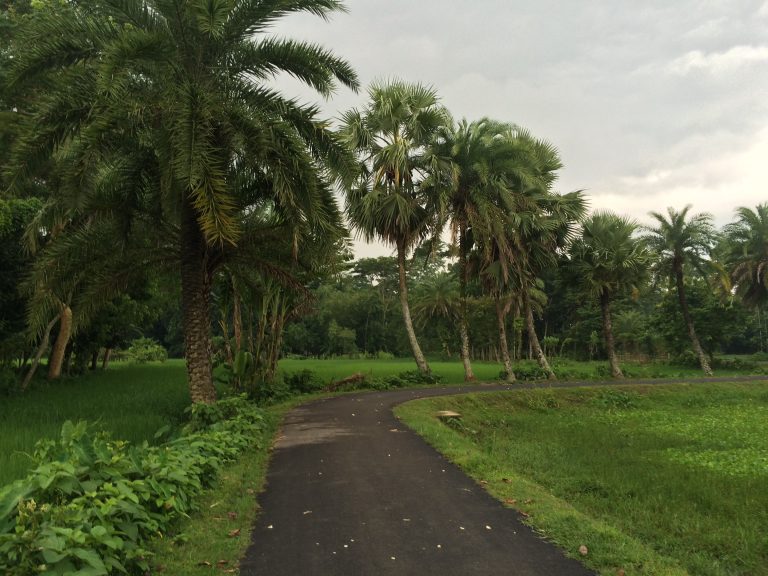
(144, 350)
(92, 504)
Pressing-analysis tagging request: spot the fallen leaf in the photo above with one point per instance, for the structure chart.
(620, 572)
(528, 501)
(232, 515)
(483, 481)
(524, 514)
(222, 562)
(233, 533)
(307, 512)
(506, 480)
(512, 501)
(583, 550)
(204, 563)
(250, 491)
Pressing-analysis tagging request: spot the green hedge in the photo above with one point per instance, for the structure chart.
(91, 505)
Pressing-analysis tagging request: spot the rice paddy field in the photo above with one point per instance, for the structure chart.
(651, 480)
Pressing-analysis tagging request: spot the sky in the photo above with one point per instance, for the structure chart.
(651, 103)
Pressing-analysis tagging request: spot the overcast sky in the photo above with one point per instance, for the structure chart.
(652, 103)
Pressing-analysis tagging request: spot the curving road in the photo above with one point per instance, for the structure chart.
(352, 492)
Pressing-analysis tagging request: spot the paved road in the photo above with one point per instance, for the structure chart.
(351, 492)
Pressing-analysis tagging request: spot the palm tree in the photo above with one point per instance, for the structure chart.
(748, 254)
(392, 134)
(608, 260)
(485, 160)
(679, 241)
(162, 114)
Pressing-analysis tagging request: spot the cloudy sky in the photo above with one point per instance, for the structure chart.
(652, 103)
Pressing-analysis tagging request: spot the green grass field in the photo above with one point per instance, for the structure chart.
(132, 402)
(654, 480)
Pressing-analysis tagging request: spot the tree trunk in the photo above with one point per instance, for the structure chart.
(463, 323)
(237, 317)
(105, 360)
(60, 346)
(94, 359)
(605, 308)
(703, 360)
(195, 302)
(501, 313)
(533, 339)
(421, 362)
(39, 354)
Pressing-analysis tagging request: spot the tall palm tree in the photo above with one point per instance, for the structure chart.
(485, 160)
(608, 260)
(747, 255)
(162, 110)
(392, 134)
(679, 241)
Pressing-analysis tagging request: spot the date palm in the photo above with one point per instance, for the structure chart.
(748, 254)
(608, 260)
(162, 111)
(391, 135)
(678, 242)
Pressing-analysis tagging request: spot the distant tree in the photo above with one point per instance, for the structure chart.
(678, 242)
(607, 261)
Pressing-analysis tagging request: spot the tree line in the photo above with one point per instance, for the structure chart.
(148, 160)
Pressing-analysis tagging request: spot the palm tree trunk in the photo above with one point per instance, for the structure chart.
(195, 299)
(60, 346)
(533, 339)
(703, 360)
(501, 314)
(605, 308)
(463, 327)
(237, 317)
(39, 354)
(418, 355)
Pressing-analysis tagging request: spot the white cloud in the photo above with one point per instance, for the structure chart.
(718, 62)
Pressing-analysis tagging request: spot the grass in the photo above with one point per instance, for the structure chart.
(132, 402)
(654, 480)
(453, 371)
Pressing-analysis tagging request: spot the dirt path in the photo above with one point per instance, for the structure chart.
(353, 492)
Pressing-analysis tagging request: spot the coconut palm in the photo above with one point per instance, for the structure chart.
(388, 202)
(163, 114)
(678, 242)
(608, 260)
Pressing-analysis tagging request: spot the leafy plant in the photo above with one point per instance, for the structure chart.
(92, 504)
(144, 350)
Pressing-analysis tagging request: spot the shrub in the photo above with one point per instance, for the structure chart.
(91, 504)
(144, 350)
(303, 382)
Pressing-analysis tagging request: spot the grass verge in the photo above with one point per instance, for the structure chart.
(214, 539)
(662, 480)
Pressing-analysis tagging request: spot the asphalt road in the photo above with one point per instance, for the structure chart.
(351, 491)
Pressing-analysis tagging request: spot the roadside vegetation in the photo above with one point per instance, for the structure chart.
(653, 480)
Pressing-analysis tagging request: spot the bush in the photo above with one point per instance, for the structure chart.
(144, 350)
(92, 504)
(303, 382)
